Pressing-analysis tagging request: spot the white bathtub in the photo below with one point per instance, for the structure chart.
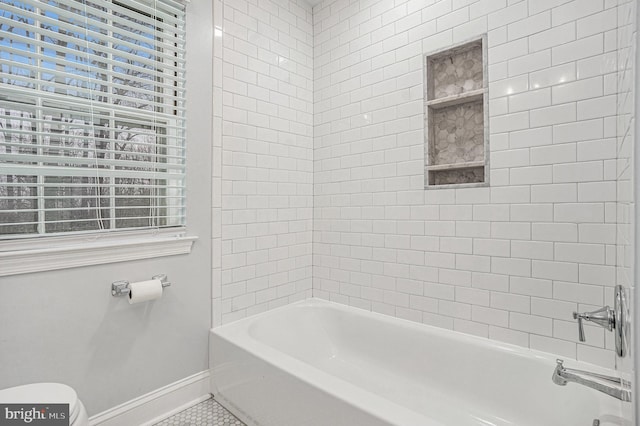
(319, 363)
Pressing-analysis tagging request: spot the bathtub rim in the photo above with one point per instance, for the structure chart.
(240, 329)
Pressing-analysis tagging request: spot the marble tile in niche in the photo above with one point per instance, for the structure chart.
(458, 72)
(458, 134)
(459, 176)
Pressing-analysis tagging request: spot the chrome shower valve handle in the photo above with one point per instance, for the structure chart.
(615, 320)
(604, 317)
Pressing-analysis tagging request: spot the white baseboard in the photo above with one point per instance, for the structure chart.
(157, 405)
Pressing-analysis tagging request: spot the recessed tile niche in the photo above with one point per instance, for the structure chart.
(456, 116)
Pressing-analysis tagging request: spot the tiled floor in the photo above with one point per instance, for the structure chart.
(207, 413)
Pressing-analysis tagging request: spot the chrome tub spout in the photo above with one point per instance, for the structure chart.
(612, 386)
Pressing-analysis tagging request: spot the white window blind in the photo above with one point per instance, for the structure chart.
(92, 116)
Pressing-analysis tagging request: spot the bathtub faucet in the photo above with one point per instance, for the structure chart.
(562, 376)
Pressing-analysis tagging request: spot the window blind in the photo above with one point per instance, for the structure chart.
(92, 116)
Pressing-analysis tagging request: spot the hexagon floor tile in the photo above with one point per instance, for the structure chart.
(207, 413)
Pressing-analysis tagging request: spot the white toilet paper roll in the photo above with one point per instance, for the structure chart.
(145, 290)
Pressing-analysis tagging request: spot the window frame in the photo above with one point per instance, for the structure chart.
(48, 253)
(35, 252)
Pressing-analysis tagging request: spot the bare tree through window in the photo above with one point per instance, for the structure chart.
(88, 129)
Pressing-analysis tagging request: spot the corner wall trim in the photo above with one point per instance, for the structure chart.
(157, 405)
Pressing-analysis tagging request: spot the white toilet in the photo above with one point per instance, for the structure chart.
(48, 393)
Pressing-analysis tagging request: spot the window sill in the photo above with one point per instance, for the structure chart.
(52, 253)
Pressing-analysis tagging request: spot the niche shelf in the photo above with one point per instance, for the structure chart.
(456, 115)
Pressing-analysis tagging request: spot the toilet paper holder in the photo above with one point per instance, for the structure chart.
(121, 288)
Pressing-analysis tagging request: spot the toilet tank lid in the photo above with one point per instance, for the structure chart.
(40, 393)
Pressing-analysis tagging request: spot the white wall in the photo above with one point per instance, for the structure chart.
(511, 261)
(64, 326)
(264, 75)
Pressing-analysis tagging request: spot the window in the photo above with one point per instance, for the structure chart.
(92, 116)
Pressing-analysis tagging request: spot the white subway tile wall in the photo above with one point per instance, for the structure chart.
(509, 262)
(336, 109)
(263, 156)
